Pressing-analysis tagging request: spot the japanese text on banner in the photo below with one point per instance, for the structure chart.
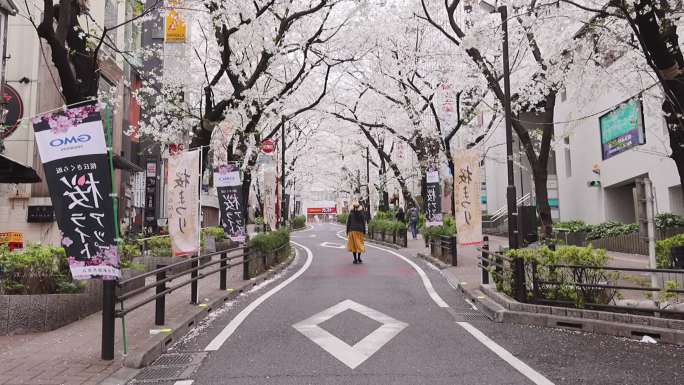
(467, 197)
(231, 204)
(73, 150)
(183, 202)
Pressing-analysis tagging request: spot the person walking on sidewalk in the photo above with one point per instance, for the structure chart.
(356, 231)
(413, 217)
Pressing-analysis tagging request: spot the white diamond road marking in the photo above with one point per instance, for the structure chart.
(332, 245)
(352, 356)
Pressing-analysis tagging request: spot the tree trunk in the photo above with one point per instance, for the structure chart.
(450, 163)
(543, 208)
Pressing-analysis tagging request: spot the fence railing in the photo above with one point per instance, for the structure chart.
(628, 243)
(200, 268)
(589, 287)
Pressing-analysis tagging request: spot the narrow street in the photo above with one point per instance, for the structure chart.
(396, 320)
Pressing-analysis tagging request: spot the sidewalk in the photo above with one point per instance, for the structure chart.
(71, 354)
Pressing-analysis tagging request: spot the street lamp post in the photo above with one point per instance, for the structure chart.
(519, 291)
(510, 189)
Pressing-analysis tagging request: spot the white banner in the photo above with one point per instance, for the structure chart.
(268, 194)
(467, 197)
(183, 202)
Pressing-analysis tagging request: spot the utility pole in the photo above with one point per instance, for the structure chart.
(283, 214)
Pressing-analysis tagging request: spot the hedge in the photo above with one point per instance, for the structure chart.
(267, 242)
(299, 222)
(664, 251)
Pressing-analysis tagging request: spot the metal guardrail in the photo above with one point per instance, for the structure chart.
(504, 268)
(166, 274)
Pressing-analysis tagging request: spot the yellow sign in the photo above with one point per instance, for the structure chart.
(176, 29)
(11, 237)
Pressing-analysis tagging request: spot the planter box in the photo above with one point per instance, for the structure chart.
(133, 285)
(378, 236)
(22, 314)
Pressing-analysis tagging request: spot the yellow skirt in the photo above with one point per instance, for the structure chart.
(355, 242)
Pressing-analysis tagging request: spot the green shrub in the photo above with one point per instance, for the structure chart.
(159, 246)
(342, 218)
(664, 251)
(611, 229)
(573, 226)
(447, 228)
(258, 221)
(668, 221)
(36, 270)
(267, 242)
(216, 231)
(129, 250)
(385, 225)
(299, 222)
(544, 259)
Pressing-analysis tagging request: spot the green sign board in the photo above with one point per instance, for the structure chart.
(622, 128)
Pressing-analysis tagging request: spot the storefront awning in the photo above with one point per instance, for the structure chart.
(122, 163)
(12, 171)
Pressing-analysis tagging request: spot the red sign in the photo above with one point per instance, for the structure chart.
(267, 146)
(15, 111)
(321, 210)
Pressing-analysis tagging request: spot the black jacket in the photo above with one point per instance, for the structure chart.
(356, 221)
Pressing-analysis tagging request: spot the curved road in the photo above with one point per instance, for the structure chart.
(396, 320)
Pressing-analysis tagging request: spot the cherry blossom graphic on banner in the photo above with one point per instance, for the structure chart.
(73, 150)
(467, 197)
(183, 201)
(229, 188)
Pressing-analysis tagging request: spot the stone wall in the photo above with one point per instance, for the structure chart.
(21, 314)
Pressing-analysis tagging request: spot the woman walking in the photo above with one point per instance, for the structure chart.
(356, 232)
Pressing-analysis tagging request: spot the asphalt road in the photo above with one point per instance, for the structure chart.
(396, 320)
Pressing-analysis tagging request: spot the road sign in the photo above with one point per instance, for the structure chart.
(267, 146)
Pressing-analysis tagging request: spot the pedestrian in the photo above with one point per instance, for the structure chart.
(413, 216)
(400, 215)
(356, 231)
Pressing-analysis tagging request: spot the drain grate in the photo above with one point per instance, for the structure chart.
(164, 373)
(170, 367)
(470, 316)
(179, 359)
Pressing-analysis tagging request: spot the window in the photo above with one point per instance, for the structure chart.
(568, 160)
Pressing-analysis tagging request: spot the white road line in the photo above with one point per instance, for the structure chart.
(426, 282)
(184, 382)
(470, 303)
(221, 338)
(520, 366)
(505, 355)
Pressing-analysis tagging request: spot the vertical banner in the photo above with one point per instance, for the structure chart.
(183, 202)
(150, 194)
(269, 196)
(231, 203)
(467, 197)
(433, 200)
(73, 150)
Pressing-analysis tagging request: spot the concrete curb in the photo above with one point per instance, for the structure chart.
(591, 321)
(441, 265)
(158, 344)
